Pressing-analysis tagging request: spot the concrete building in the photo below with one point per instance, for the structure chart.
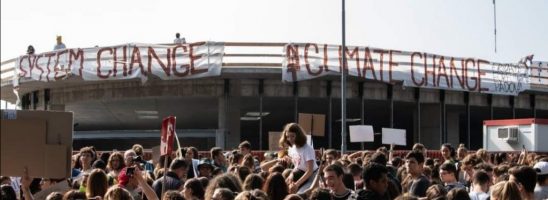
(224, 110)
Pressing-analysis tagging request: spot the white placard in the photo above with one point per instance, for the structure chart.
(361, 133)
(394, 136)
(309, 140)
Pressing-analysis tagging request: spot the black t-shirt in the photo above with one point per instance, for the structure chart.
(190, 173)
(370, 195)
(419, 186)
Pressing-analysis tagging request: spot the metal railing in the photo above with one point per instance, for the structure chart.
(239, 55)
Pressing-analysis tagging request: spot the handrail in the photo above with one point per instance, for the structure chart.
(237, 54)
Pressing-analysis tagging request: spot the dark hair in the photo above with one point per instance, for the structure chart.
(196, 186)
(355, 169)
(526, 176)
(204, 181)
(378, 157)
(450, 168)
(458, 194)
(178, 164)
(30, 49)
(243, 172)
(97, 183)
(480, 177)
(435, 191)
(396, 161)
(320, 194)
(245, 144)
(417, 155)
(172, 195)
(275, 186)
(348, 181)
(373, 171)
(300, 136)
(253, 181)
(8, 193)
(334, 168)
(99, 164)
(74, 195)
(451, 149)
(177, 35)
(541, 178)
(226, 180)
(216, 151)
(194, 152)
(484, 166)
(104, 156)
(331, 152)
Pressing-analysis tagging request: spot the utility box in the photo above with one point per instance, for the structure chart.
(514, 134)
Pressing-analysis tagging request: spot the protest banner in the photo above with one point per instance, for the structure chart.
(394, 136)
(168, 62)
(305, 61)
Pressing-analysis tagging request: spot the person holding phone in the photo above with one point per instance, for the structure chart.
(302, 156)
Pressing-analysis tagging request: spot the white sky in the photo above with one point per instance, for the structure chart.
(462, 28)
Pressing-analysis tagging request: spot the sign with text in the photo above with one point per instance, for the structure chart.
(168, 133)
(394, 136)
(361, 133)
(179, 61)
(305, 61)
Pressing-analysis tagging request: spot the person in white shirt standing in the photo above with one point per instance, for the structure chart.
(480, 186)
(178, 39)
(302, 156)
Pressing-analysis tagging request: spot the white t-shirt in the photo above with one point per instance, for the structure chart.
(478, 196)
(299, 156)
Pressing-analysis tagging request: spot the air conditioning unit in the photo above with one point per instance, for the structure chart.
(508, 134)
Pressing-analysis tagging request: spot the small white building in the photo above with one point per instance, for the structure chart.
(514, 134)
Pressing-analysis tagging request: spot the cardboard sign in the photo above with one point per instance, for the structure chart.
(305, 121)
(394, 136)
(318, 125)
(39, 140)
(273, 140)
(168, 134)
(361, 133)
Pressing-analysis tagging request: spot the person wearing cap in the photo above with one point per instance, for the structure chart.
(541, 189)
(174, 177)
(205, 168)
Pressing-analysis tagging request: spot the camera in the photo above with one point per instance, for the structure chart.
(137, 159)
(130, 171)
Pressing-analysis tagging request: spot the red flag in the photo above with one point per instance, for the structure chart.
(168, 132)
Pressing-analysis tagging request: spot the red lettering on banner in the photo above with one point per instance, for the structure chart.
(136, 58)
(122, 61)
(166, 68)
(390, 64)
(355, 53)
(49, 55)
(452, 69)
(194, 57)
(426, 71)
(56, 69)
(382, 52)
(466, 66)
(31, 65)
(480, 74)
(443, 72)
(75, 56)
(38, 66)
(292, 53)
(174, 65)
(413, 71)
(307, 64)
(325, 58)
(368, 64)
(99, 62)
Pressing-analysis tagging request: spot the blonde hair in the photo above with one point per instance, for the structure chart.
(117, 193)
(505, 190)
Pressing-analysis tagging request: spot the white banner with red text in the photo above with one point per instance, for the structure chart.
(178, 61)
(303, 61)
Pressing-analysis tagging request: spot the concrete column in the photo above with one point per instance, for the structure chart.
(232, 115)
(453, 128)
(430, 125)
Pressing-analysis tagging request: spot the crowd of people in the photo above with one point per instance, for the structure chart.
(295, 172)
